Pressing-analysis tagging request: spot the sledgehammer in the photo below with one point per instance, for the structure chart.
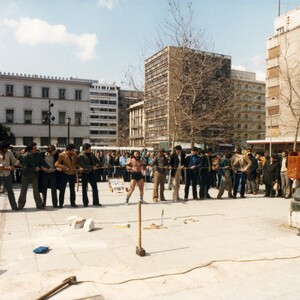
(68, 281)
(139, 250)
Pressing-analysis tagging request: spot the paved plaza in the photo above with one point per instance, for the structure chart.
(210, 249)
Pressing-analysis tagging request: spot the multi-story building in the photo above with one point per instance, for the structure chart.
(282, 83)
(103, 115)
(164, 72)
(37, 108)
(126, 99)
(137, 124)
(249, 111)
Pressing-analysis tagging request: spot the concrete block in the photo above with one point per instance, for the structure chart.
(71, 220)
(294, 219)
(89, 225)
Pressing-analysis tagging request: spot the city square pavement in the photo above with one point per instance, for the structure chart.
(208, 249)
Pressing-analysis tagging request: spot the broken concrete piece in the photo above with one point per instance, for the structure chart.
(71, 220)
(89, 225)
(79, 223)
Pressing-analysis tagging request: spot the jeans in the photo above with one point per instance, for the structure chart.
(65, 178)
(7, 182)
(89, 177)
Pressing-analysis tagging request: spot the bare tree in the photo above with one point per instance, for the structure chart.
(202, 95)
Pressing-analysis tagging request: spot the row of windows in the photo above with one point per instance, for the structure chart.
(27, 92)
(61, 141)
(28, 117)
(103, 102)
(104, 124)
(103, 117)
(246, 126)
(103, 132)
(103, 94)
(93, 109)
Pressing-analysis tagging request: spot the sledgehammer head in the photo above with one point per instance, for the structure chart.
(140, 251)
(70, 280)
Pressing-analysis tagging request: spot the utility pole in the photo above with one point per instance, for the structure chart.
(50, 119)
(278, 8)
(69, 123)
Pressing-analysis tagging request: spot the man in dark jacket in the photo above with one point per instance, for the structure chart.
(177, 163)
(193, 162)
(31, 163)
(88, 163)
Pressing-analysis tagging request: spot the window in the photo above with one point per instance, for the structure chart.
(62, 118)
(9, 90)
(246, 126)
(78, 94)
(62, 93)
(44, 140)
(44, 117)
(238, 125)
(246, 116)
(45, 92)
(27, 91)
(28, 117)
(9, 116)
(62, 141)
(78, 118)
(27, 140)
(78, 142)
(259, 127)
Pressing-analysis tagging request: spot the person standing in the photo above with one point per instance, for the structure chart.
(226, 171)
(67, 164)
(271, 175)
(136, 165)
(193, 162)
(7, 163)
(49, 176)
(205, 173)
(159, 165)
(285, 180)
(31, 164)
(88, 164)
(177, 164)
(240, 165)
(251, 176)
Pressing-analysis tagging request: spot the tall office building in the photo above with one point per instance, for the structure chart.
(103, 115)
(164, 73)
(249, 111)
(282, 83)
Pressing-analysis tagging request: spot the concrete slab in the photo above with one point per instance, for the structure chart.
(228, 249)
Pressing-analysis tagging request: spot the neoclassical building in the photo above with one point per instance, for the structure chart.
(37, 108)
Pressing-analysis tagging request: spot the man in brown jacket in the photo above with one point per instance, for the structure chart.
(67, 164)
(240, 165)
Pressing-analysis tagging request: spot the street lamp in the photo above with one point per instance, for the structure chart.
(68, 123)
(49, 119)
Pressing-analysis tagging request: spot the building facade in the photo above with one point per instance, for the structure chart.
(249, 112)
(126, 99)
(283, 80)
(37, 108)
(137, 125)
(103, 115)
(167, 73)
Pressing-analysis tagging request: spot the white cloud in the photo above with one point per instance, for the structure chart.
(34, 32)
(109, 4)
(239, 68)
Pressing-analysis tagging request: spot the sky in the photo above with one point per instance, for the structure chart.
(103, 39)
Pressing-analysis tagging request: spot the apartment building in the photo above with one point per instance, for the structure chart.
(164, 72)
(282, 83)
(126, 99)
(137, 124)
(45, 109)
(103, 114)
(249, 111)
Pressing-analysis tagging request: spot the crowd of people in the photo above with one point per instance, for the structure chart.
(238, 173)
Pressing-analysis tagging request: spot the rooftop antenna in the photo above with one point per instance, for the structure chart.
(278, 8)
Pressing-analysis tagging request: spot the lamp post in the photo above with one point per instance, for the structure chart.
(69, 123)
(50, 119)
